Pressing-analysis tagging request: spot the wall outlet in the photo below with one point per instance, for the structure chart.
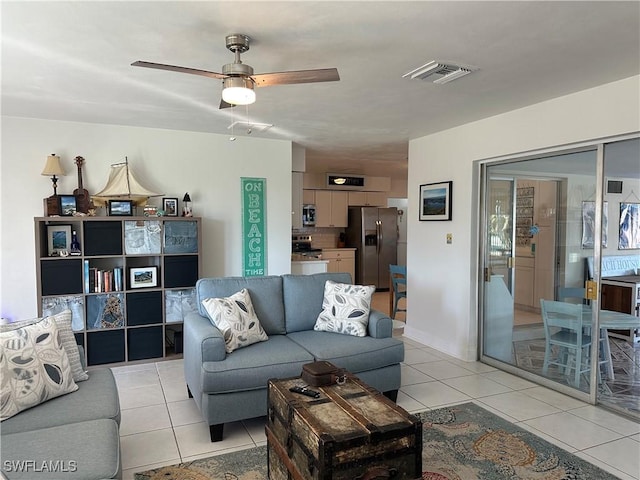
(449, 238)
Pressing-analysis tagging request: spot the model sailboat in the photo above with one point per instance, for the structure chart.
(122, 185)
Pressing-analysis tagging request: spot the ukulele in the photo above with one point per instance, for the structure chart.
(81, 194)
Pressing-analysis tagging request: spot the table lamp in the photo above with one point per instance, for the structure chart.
(52, 168)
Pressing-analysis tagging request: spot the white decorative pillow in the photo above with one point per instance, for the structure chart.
(345, 309)
(63, 322)
(34, 367)
(236, 319)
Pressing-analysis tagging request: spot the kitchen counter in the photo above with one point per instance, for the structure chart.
(339, 249)
(301, 265)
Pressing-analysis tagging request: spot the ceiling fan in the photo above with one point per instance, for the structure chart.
(238, 78)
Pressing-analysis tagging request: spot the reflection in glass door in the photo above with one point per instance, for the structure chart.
(561, 264)
(535, 316)
(620, 278)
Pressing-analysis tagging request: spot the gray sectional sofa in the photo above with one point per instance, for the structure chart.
(74, 436)
(232, 387)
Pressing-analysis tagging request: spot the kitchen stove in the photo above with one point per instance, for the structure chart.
(301, 245)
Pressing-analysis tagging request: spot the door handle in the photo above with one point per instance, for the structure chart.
(487, 274)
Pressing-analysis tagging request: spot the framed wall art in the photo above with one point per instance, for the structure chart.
(120, 208)
(629, 229)
(67, 205)
(435, 201)
(170, 207)
(58, 240)
(143, 277)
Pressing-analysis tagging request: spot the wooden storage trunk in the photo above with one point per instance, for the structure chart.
(347, 432)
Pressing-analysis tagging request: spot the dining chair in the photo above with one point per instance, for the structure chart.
(399, 284)
(563, 329)
(578, 293)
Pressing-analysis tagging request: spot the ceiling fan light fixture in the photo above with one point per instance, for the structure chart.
(238, 91)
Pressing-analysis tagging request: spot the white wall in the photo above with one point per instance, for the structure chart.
(442, 279)
(208, 166)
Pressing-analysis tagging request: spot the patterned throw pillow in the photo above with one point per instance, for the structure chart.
(345, 309)
(34, 367)
(236, 319)
(63, 322)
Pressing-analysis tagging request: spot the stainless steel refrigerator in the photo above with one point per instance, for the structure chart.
(373, 232)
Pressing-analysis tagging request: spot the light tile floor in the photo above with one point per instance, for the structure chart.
(162, 426)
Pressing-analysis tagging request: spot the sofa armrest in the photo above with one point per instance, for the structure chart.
(203, 339)
(380, 325)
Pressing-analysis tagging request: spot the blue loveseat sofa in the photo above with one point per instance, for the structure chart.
(232, 387)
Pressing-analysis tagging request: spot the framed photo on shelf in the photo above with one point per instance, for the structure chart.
(170, 207)
(435, 201)
(58, 240)
(67, 205)
(120, 208)
(143, 277)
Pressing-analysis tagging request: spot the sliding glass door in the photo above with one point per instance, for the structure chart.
(534, 250)
(560, 289)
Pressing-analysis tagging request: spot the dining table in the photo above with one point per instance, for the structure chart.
(610, 320)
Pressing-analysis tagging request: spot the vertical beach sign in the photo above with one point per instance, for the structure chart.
(254, 226)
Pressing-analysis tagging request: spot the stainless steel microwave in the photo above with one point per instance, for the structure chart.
(308, 215)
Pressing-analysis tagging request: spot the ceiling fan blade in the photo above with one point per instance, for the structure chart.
(298, 76)
(175, 68)
(224, 104)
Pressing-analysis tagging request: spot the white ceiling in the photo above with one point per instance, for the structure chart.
(71, 61)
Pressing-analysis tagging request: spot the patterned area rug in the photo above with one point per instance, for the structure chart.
(462, 442)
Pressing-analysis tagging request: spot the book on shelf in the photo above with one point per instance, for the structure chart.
(103, 281)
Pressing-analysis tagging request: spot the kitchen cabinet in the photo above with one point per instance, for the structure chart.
(331, 208)
(367, 199)
(308, 197)
(341, 260)
(524, 284)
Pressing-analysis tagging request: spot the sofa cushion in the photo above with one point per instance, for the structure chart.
(250, 368)
(266, 296)
(34, 367)
(303, 295)
(87, 450)
(95, 398)
(236, 319)
(356, 354)
(63, 322)
(345, 309)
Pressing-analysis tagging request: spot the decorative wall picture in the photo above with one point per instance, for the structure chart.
(143, 277)
(629, 229)
(589, 222)
(170, 207)
(524, 215)
(67, 205)
(254, 226)
(435, 201)
(58, 240)
(120, 208)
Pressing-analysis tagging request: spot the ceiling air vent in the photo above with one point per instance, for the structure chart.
(438, 72)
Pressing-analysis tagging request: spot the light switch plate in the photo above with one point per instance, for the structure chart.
(449, 238)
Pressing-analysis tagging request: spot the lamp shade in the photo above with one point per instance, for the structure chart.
(52, 167)
(186, 197)
(238, 91)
